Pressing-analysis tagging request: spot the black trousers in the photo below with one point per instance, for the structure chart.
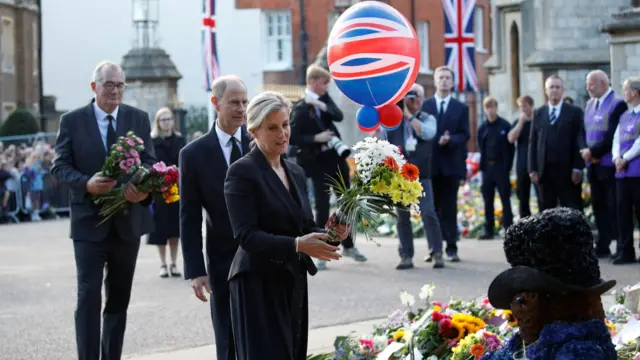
(523, 192)
(628, 201)
(495, 176)
(326, 167)
(557, 188)
(445, 199)
(119, 258)
(602, 181)
(220, 307)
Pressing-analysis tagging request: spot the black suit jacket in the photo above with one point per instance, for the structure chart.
(265, 217)
(505, 148)
(305, 124)
(203, 169)
(80, 153)
(566, 153)
(450, 159)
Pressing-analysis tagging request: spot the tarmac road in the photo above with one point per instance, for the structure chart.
(38, 292)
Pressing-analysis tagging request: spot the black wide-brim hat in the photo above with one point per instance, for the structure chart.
(519, 279)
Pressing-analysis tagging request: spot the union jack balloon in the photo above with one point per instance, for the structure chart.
(374, 56)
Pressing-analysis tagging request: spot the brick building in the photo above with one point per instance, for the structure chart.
(19, 60)
(283, 58)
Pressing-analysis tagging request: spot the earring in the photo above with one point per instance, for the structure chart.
(520, 300)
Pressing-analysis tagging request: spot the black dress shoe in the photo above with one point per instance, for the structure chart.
(485, 236)
(454, 258)
(439, 261)
(405, 263)
(624, 260)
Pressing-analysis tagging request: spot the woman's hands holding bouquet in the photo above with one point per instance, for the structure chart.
(315, 244)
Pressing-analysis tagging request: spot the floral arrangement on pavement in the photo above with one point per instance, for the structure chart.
(459, 330)
(383, 180)
(124, 161)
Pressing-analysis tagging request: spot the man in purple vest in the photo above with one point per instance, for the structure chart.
(601, 118)
(626, 157)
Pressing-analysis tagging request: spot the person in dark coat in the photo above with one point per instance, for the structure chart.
(272, 220)
(167, 143)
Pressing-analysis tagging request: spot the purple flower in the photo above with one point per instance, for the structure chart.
(123, 165)
(160, 167)
(137, 161)
(139, 140)
(129, 142)
(131, 162)
(119, 149)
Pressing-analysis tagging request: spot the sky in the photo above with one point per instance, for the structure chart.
(78, 34)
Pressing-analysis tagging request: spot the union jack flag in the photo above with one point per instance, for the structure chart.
(209, 43)
(459, 42)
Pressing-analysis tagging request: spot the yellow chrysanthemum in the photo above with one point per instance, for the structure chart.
(398, 335)
(172, 199)
(173, 190)
(437, 308)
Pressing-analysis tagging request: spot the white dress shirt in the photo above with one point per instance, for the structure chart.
(226, 143)
(557, 107)
(439, 101)
(103, 123)
(634, 151)
(600, 100)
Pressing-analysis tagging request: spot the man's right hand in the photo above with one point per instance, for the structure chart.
(523, 117)
(534, 177)
(199, 286)
(324, 137)
(99, 184)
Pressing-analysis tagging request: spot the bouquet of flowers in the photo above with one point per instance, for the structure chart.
(476, 345)
(123, 160)
(383, 181)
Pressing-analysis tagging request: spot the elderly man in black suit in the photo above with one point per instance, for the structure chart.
(84, 137)
(203, 168)
(556, 137)
(449, 155)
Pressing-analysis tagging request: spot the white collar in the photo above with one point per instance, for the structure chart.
(101, 114)
(557, 107)
(311, 94)
(445, 99)
(225, 138)
(601, 98)
(636, 109)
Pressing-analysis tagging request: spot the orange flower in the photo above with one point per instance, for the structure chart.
(477, 350)
(390, 163)
(410, 172)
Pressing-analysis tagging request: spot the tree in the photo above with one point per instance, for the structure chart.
(20, 122)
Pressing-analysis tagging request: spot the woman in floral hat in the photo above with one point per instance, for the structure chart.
(553, 289)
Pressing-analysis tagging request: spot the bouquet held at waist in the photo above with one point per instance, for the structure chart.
(124, 163)
(383, 181)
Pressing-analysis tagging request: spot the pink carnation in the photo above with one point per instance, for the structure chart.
(129, 142)
(137, 161)
(130, 162)
(139, 141)
(123, 165)
(160, 167)
(120, 149)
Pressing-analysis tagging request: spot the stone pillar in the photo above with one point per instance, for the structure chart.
(624, 44)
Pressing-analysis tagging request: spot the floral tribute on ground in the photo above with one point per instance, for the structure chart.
(123, 164)
(460, 330)
(383, 181)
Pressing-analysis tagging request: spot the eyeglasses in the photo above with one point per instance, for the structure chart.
(165, 119)
(110, 85)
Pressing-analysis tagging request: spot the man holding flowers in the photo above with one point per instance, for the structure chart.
(85, 139)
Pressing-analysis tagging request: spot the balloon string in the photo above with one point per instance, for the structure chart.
(371, 93)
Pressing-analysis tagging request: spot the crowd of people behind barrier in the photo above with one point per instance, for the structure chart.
(27, 191)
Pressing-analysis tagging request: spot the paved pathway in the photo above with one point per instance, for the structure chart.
(37, 292)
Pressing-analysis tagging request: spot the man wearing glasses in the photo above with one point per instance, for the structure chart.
(84, 139)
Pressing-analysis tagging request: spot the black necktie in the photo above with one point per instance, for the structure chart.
(597, 104)
(111, 133)
(235, 150)
(441, 111)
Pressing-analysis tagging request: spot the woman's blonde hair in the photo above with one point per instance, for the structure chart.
(156, 131)
(264, 104)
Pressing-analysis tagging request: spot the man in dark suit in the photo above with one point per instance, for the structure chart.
(602, 115)
(84, 137)
(449, 155)
(203, 168)
(519, 134)
(555, 163)
(319, 150)
(496, 159)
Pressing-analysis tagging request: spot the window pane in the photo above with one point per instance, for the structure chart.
(423, 39)
(280, 52)
(269, 25)
(479, 27)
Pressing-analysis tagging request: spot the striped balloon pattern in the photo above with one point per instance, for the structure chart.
(374, 57)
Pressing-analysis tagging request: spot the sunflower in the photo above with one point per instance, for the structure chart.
(410, 172)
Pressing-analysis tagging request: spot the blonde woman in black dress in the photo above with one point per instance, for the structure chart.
(167, 143)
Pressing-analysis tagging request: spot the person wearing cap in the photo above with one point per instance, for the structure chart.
(496, 159)
(414, 137)
(553, 289)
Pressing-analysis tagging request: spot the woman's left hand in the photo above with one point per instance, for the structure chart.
(343, 231)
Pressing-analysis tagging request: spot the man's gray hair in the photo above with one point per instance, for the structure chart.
(419, 89)
(633, 83)
(264, 104)
(98, 73)
(599, 74)
(220, 84)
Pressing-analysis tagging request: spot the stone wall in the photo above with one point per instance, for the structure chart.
(625, 60)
